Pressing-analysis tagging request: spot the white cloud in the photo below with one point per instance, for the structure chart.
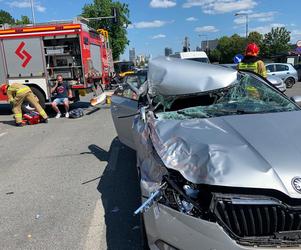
(150, 24)
(191, 19)
(26, 4)
(162, 3)
(267, 28)
(159, 36)
(259, 17)
(206, 29)
(295, 36)
(220, 6)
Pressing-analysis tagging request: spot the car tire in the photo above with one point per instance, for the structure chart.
(39, 95)
(289, 82)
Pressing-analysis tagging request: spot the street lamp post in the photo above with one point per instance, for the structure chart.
(32, 11)
(247, 21)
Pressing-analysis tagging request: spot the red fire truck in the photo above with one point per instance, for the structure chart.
(35, 54)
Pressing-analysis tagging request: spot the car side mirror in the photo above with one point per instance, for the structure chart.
(296, 99)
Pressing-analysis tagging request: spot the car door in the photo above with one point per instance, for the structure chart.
(282, 71)
(124, 106)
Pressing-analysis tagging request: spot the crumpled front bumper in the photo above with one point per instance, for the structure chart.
(186, 232)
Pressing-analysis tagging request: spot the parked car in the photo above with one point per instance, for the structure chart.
(276, 81)
(285, 71)
(218, 154)
(298, 68)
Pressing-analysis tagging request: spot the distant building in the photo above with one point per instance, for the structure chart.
(132, 55)
(198, 48)
(209, 45)
(168, 51)
(186, 44)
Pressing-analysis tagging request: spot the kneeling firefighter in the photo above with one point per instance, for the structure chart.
(16, 94)
(252, 62)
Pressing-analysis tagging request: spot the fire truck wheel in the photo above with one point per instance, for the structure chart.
(26, 107)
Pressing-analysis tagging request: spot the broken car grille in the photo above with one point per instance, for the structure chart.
(249, 216)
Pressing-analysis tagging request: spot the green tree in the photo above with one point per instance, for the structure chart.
(5, 17)
(230, 46)
(214, 55)
(276, 42)
(117, 30)
(255, 37)
(24, 20)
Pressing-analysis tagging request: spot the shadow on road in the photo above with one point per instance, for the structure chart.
(120, 194)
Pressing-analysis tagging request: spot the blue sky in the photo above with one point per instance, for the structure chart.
(164, 23)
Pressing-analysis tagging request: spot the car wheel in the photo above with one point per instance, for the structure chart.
(26, 107)
(290, 82)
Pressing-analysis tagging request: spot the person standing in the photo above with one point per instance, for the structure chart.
(62, 92)
(18, 93)
(252, 62)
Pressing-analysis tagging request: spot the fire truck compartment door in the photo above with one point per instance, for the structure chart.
(96, 58)
(24, 57)
(2, 70)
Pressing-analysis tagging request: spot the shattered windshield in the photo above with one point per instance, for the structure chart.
(248, 96)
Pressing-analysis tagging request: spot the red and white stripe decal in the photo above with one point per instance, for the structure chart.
(53, 33)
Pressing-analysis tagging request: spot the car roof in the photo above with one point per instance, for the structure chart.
(173, 76)
(279, 63)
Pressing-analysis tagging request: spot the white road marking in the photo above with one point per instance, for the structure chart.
(96, 238)
(2, 134)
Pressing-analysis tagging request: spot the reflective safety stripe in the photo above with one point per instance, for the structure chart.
(43, 113)
(249, 66)
(18, 115)
(23, 90)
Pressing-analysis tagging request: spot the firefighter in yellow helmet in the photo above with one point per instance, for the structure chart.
(252, 62)
(17, 93)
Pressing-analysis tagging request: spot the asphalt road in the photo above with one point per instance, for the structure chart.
(68, 184)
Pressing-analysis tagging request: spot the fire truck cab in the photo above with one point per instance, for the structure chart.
(35, 54)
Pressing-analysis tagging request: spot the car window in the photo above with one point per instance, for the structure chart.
(142, 78)
(281, 67)
(133, 80)
(270, 68)
(126, 92)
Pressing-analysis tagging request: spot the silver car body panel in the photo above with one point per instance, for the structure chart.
(277, 82)
(173, 76)
(218, 150)
(189, 232)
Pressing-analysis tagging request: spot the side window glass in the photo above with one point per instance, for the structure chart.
(128, 93)
(133, 80)
(270, 68)
(281, 67)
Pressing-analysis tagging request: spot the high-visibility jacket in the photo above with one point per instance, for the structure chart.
(16, 88)
(257, 67)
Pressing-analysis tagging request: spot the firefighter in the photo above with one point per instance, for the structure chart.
(252, 62)
(16, 94)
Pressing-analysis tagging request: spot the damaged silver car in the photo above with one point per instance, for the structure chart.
(218, 153)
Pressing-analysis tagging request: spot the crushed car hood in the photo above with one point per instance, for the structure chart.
(173, 76)
(252, 151)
